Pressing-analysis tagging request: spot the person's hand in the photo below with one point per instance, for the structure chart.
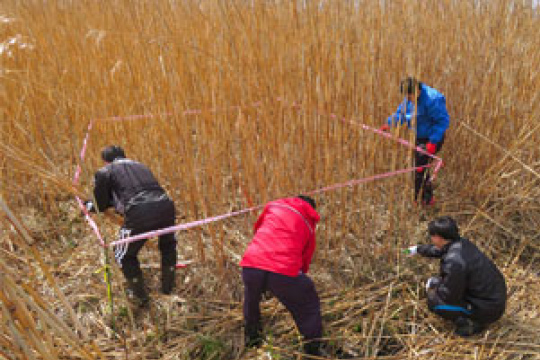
(431, 148)
(432, 283)
(385, 128)
(89, 206)
(413, 250)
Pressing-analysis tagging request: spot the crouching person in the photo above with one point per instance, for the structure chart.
(277, 259)
(470, 290)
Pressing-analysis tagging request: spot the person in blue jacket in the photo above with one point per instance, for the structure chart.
(432, 121)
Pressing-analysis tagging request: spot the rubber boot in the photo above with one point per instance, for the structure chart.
(136, 286)
(427, 194)
(253, 335)
(466, 327)
(167, 279)
(312, 348)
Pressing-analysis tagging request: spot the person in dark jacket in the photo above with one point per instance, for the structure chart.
(131, 188)
(432, 121)
(470, 290)
(278, 259)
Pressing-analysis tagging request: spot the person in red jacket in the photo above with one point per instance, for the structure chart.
(277, 259)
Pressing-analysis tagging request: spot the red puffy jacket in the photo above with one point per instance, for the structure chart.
(284, 239)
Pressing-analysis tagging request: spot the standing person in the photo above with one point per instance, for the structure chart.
(470, 290)
(432, 121)
(277, 259)
(131, 188)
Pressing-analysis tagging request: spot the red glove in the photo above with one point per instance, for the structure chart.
(385, 127)
(431, 148)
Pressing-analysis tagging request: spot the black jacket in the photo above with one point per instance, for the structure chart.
(469, 278)
(132, 189)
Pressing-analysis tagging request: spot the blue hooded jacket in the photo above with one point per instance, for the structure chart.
(432, 118)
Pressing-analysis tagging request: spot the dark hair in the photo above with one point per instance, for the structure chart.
(309, 200)
(445, 227)
(410, 86)
(112, 152)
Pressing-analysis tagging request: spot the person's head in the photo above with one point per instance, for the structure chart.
(309, 200)
(410, 87)
(442, 231)
(111, 153)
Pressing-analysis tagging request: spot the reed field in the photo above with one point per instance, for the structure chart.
(243, 102)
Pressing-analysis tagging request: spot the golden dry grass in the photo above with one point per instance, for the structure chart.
(91, 60)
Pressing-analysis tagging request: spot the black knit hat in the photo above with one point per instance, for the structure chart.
(309, 200)
(112, 152)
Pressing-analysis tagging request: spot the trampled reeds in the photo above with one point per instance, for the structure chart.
(266, 78)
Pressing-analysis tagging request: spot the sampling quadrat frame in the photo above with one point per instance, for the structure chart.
(180, 227)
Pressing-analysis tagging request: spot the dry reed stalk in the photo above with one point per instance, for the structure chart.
(128, 57)
(29, 244)
(24, 314)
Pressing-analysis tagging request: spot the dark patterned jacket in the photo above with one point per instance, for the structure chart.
(468, 278)
(131, 188)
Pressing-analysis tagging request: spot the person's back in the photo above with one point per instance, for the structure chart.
(128, 182)
(432, 118)
(486, 287)
(284, 238)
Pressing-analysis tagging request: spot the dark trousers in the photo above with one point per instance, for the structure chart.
(141, 221)
(422, 181)
(297, 294)
(453, 312)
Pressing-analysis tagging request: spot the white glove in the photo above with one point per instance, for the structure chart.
(413, 250)
(89, 205)
(432, 282)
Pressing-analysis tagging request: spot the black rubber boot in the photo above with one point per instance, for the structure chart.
(312, 348)
(137, 288)
(466, 327)
(167, 279)
(253, 336)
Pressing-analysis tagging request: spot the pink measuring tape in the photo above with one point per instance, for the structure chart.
(209, 220)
